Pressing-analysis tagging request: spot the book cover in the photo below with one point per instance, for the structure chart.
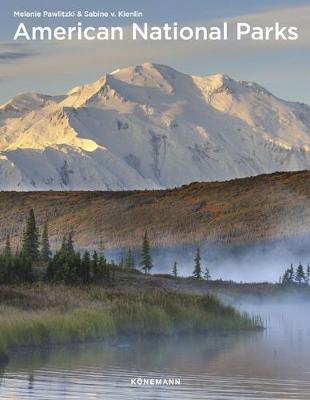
(154, 199)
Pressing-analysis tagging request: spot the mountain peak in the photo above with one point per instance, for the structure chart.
(150, 126)
(144, 67)
(25, 102)
(146, 75)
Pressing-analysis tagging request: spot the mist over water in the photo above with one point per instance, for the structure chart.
(257, 262)
(270, 364)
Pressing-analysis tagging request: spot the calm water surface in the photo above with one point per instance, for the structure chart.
(274, 364)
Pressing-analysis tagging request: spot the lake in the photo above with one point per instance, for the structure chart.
(272, 364)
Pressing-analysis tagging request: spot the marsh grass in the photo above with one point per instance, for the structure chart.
(90, 313)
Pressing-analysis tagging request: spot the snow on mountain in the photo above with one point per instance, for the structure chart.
(149, 126)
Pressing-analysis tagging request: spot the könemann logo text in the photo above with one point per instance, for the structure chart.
(155, 381)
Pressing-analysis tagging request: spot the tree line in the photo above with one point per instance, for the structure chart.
(35, 260)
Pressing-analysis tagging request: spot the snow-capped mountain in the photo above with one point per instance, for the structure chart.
(149, 126)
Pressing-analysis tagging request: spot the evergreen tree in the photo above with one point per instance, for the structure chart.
(288, 276)
(69, 273)
(70, 245)
(286, 280)
(300, 274)
(175, 270)
(23, 268)
(76, 261)
(50, 271)
(63, 251)
(129, 261)
(207, 274)
(86, 267)
(146, 258)
(308, 274)
(45, 245)
(100, 271)
(291, 273)
(95, 264)
(31, 238)
(60, 259)
(197, 269)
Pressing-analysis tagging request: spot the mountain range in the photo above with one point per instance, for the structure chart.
(149, 127)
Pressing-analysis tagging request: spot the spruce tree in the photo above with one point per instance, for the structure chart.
(207, 274)
(300, 274)
(146, 258)
(95, 264)
(286, 279)
(86, 267)
(291, 274)
(197, 269)
(23, 268)
(101, 274)
(129, 261)
(45, 245)
(308, 274)
(175, 270)
(61, 255)
(69, 272)
(76, 260)
(50, 271)
(70, 245)
(31, 238)
(59, 260)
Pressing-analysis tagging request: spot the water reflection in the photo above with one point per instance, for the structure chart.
(274, 364)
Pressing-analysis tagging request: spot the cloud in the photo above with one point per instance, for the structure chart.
(10, 56)
(15, 52)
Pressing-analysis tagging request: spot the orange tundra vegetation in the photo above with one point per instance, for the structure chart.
(241, 210)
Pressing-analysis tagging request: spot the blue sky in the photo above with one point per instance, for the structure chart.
(54, 68)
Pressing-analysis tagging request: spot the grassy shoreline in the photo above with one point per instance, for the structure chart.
(43, 314)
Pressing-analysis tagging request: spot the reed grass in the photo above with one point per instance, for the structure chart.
(92, 313)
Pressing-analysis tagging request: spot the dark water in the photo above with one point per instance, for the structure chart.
(273, 364)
